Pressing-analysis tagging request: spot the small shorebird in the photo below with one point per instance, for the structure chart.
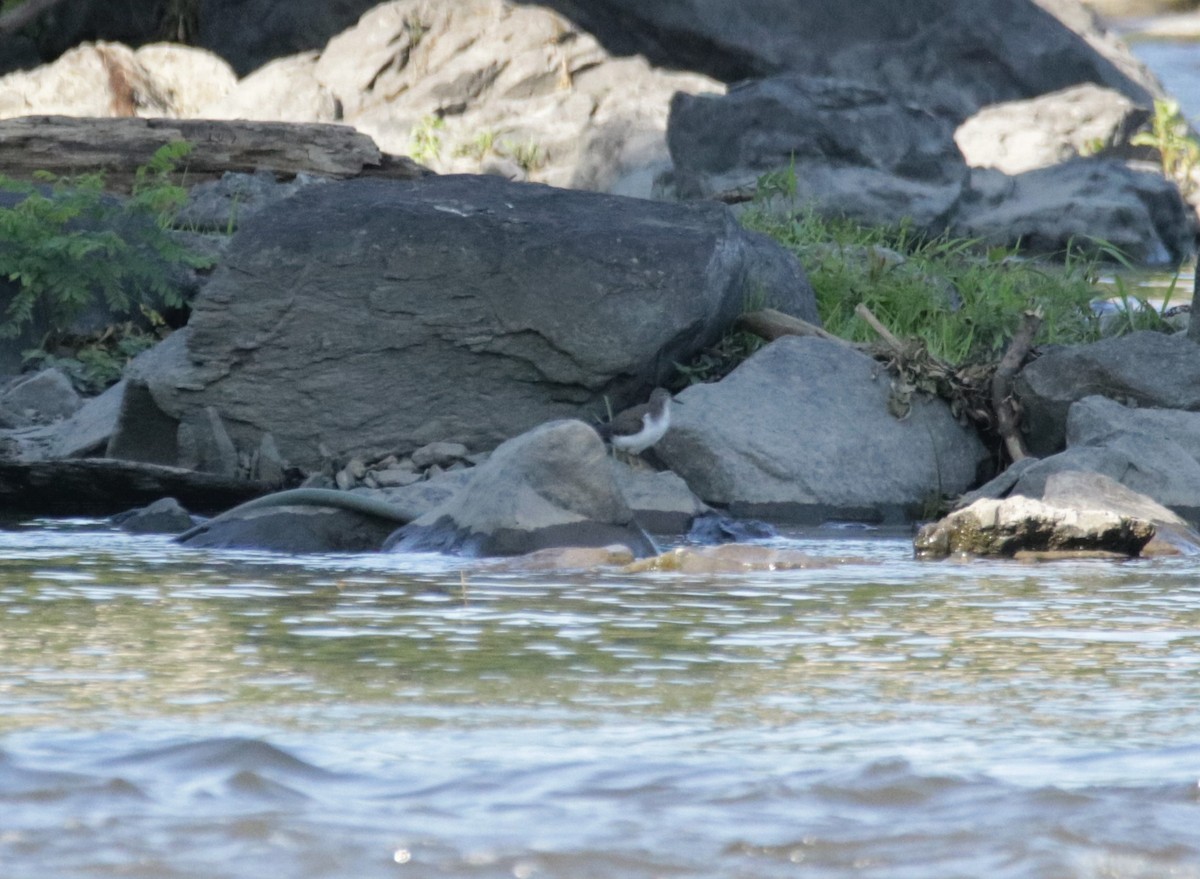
(637, 429)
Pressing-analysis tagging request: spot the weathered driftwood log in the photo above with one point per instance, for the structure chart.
(66, 145)
(102, 486)
(769, 324)
(1004, 404)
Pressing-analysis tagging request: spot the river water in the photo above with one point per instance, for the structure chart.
(175, 714)
(180, 713)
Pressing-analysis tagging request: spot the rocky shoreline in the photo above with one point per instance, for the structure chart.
(440, 346)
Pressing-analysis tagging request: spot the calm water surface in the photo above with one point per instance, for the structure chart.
(179, 713)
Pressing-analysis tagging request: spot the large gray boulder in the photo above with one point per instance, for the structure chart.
(1146, 369)
(553, 486)
(802, 432)
(1083, 203)
(367, 317)
(967, 55)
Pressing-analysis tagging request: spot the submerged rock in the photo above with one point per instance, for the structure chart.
(732, 559)
(550, 487)
(164, 516)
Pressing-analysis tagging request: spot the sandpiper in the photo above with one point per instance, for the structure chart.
(637, 429)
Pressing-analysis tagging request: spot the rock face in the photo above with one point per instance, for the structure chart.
(483, 86)
(109, 79)
(553, 486)
(377, 316)
(801, 432)
(1019, 136)
(1078, 520)
(1143, 369)
(966, 55)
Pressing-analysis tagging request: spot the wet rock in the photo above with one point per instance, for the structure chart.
(296, 529)
(801, 432)
(714, 528)
(164, 516)
(732, 559)
(550, 487)
(302, 520)
(565, 558)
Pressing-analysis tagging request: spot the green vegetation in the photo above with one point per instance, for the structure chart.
(949, 307)
(963, 301)
(528, 154)
(425, 140)
(67, 245)
(1178, 149)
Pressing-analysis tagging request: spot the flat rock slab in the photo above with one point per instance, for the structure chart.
(103, 487)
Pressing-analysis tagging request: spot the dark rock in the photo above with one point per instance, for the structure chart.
(1084, 204)
(801, 432)
(714, 528)
(296, 529)
(142, 431)
(164, 516)
(552, 486)
(249, 33)
(102, 487)
(968, 55)
(1145, 369)
(487, 307)
(856, 151)
(301, 520)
